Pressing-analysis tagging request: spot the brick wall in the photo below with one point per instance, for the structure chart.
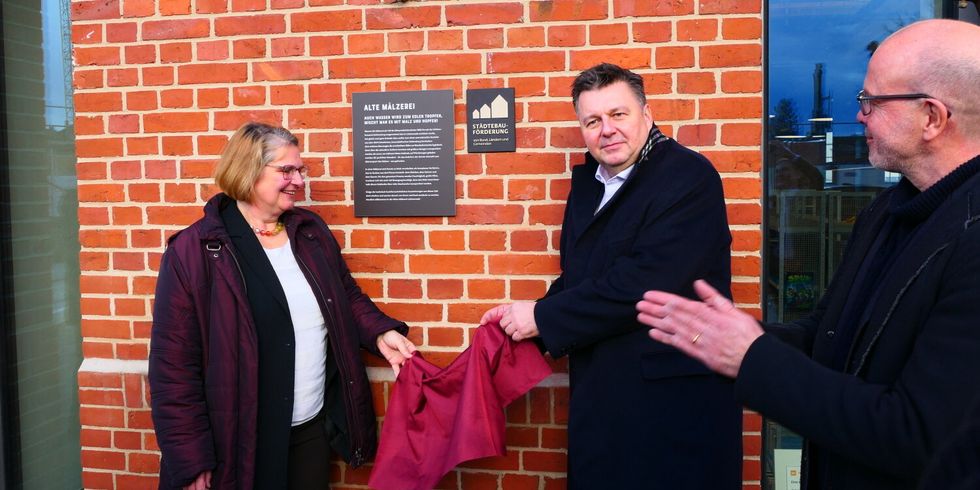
(161, 84)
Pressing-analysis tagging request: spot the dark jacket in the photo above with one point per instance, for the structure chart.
(642, 414)
(912, 365)
(203, 368)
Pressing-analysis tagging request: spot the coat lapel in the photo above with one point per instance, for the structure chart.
(252, 255)
(933, 237)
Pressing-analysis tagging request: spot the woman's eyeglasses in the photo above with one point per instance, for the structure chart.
(288, 171)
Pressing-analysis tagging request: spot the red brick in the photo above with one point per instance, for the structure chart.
(530, 163)
(121, 33)
(248, 48)
(177, 98)
(484, 13)
(403, 17)
(287, 70)
(444, 39)
(212, 73)
(176, 52)
(174, 7)
(87, 79)
(445, 337)
(549, 461)
(525, 61)
(487, 240)
(485, 38)
(127, 77)
(95, 437)
(247, 5)
(444, 288)
(697, 30)
(445, 264)
(443, 64)
(98, 480)
(366, 43)
(159, 75)
(566, 36)
(608, 34)
(672, 109)
(110, 398)
(334, 20)
(642, 8)
(523, 264)
(212, 50)
(525, 37)
(109, 460)
(549, 11)
(211, 6)
(140, 54)
(353, 67)
(674, 57)
(170, 122)
(405, 41)
(153, 30)
(741, 81)
(447, 240)
(731, 108)
(741, 28)
(731, 55)
(696, 135)
(98, 102)
(551, 111)
(730, 6)
(143, 463)
(630, 58)
(95, 10)
(139, 8)
(249, 25)
(741, 134)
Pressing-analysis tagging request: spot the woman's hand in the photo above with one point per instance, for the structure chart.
(396, 349)
(203, 482)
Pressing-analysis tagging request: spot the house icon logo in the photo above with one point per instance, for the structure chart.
(497, 109)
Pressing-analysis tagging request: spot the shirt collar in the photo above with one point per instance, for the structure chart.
(602, 176)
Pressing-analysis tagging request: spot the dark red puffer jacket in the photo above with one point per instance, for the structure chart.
(203, 367)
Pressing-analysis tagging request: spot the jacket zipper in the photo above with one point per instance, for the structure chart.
(356, 446)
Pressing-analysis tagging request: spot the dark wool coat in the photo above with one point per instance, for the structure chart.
(203, 367)
(913, 365)
(642, 414)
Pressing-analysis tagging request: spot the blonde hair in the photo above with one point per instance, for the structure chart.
(251, 148)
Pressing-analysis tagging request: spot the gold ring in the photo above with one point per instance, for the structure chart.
(696, 338)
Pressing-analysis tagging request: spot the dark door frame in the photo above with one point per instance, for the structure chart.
(9, 427)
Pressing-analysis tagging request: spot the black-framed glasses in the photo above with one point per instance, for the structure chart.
(288, 171)
(865, 100)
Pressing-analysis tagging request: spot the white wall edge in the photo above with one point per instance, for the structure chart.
(118, 366)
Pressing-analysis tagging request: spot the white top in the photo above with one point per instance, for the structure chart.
(612, 183)
(310, 332)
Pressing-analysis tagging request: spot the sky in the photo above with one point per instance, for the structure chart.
(835, 33)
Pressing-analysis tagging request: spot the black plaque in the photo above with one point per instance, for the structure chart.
(490, 120)
(403, 154)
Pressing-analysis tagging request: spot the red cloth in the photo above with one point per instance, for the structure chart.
(438, 418)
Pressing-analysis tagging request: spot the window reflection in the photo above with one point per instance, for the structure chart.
(817, 172)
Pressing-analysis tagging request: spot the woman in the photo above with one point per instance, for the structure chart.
(255, 370)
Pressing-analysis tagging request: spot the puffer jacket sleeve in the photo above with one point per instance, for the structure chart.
(176, 377)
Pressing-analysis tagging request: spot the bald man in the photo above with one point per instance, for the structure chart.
(884, 369)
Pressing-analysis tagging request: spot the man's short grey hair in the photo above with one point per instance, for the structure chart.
(605, 74)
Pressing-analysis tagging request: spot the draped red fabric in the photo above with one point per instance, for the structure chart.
(438, 418)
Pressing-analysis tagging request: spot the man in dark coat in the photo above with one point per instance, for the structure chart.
(643, 212)
(883, 371)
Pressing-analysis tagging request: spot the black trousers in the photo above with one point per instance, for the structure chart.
(309, 455)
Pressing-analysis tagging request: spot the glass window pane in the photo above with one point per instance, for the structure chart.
(817, 172)
(40, 242)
